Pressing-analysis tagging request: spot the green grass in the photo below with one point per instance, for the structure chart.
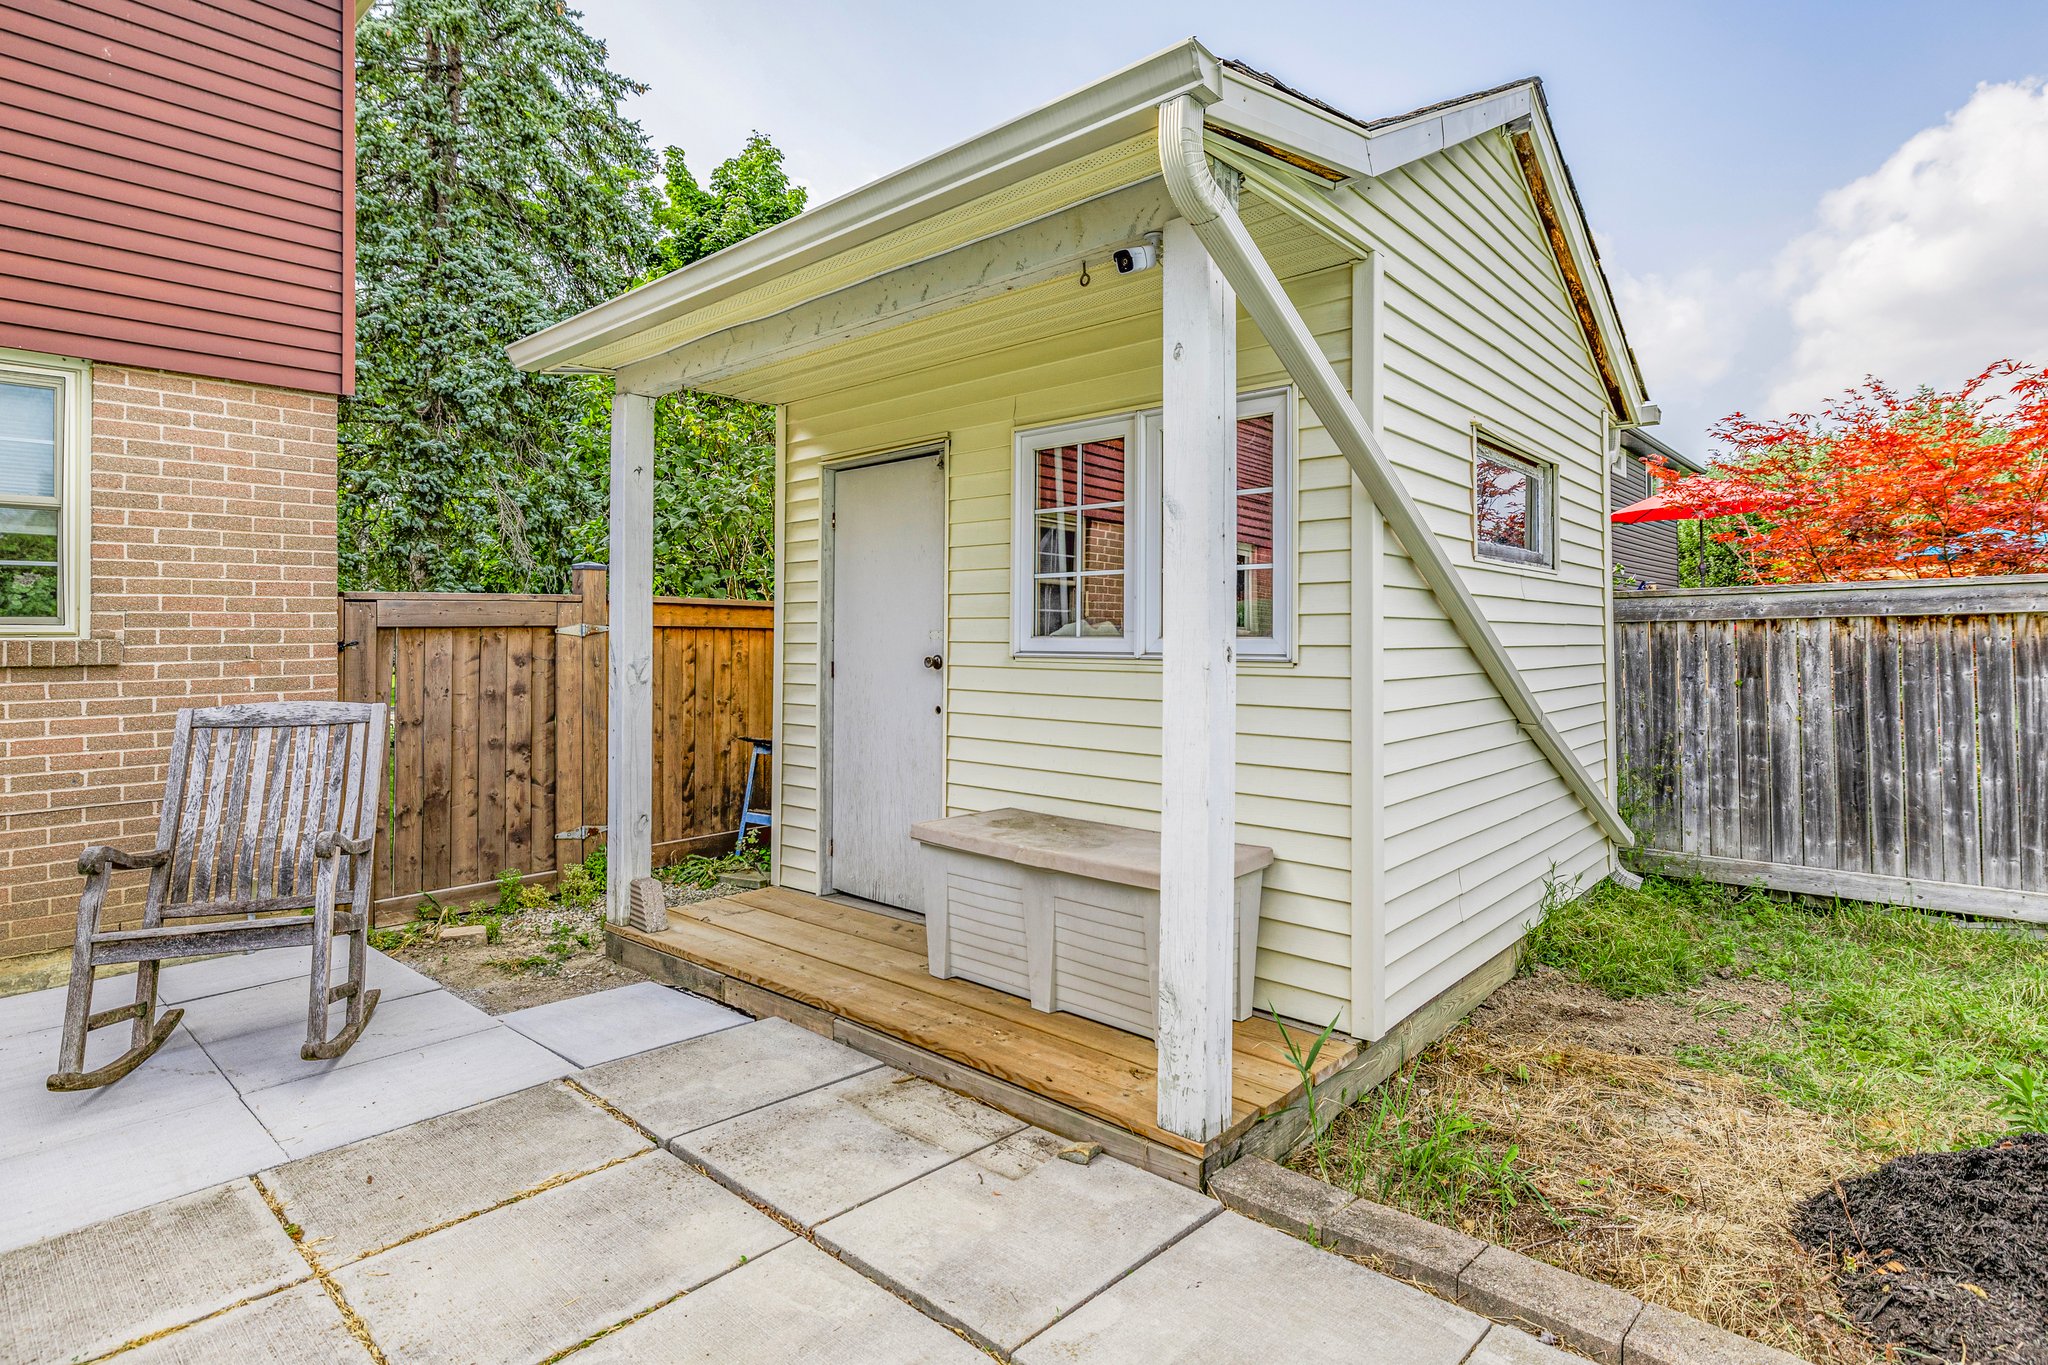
(1920, 1030)
(1422, 1153)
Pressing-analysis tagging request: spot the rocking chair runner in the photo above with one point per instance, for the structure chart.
(268, 808)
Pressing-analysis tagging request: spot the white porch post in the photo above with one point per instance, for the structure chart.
(629, 739)
(1197, 980)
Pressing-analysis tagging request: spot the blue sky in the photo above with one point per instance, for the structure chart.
(1787, 196)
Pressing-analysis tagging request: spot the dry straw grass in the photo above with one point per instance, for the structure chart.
(1673, 1183)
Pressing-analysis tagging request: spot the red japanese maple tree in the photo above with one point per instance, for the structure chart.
(1877, 485)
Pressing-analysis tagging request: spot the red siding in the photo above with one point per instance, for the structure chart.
(177, 186)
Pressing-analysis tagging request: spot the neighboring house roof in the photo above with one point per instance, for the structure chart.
(1644, 446)
(1063, 154)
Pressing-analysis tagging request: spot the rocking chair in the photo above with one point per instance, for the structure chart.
(268, 809)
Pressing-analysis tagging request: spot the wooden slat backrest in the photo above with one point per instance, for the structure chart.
(251, 790)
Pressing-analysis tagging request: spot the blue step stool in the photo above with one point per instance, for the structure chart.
(751, 819)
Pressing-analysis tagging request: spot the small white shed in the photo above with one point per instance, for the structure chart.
(1185, 456)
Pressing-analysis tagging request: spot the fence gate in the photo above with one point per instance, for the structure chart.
(1880, 741)
(498, 728)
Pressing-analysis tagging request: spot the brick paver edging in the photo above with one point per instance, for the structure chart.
(1595, 1319)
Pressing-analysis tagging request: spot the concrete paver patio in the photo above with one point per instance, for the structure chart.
(810, 1205)
(228, 1093)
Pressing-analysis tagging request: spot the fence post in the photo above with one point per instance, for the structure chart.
(357, 648)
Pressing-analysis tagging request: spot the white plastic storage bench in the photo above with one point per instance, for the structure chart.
(1063, 912)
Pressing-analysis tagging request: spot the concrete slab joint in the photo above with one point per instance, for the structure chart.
(1588, 1317)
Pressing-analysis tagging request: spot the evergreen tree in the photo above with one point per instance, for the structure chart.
(498, 190)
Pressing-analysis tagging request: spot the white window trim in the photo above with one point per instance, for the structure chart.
(1491, 556)
(72, 379)
(1142, 568)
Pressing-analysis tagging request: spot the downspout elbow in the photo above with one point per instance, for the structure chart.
(1184, 162)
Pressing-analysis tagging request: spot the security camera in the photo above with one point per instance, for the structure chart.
(1141, 257)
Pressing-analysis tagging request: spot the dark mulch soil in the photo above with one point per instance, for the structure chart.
(1945, 1254)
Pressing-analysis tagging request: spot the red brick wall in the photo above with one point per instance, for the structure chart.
(212, 581)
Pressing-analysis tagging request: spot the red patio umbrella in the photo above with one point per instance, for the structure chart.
(1727, 502)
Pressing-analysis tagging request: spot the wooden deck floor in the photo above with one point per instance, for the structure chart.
(870, 969)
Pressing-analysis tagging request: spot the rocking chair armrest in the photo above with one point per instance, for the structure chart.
(99, 858)
(327, 845)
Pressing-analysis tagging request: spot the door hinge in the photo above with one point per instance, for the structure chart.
(580, 832)
(581, 629)
(832, 668)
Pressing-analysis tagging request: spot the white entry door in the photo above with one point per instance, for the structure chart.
(888, 678)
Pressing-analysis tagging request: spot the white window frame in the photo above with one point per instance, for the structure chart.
(1542, 475)
(1144, 531)
(72, 381)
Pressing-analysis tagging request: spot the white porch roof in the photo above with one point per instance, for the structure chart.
(1051, 169)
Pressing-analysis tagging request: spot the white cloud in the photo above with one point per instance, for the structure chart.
(1930, 267)
(1684, 328)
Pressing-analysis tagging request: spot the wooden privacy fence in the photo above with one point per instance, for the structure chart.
(498, 728)
(1876, 741)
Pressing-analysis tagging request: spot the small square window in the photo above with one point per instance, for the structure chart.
(1512, 507)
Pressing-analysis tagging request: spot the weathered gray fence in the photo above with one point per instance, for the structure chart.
(1880, 741)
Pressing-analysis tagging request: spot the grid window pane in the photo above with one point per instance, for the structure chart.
(1255, 452)
(28, 563)
(1102, 606)
(1058, 476)
(1102, 540)
(1102, 473)
(1255, 602)
(28, 440)
(1058, 536)
(1503, 501)
(1255, 528)
(1055, 606)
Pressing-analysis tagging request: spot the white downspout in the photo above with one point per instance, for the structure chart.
(1190, 184)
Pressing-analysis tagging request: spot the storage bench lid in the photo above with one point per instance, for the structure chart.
(1059, 843)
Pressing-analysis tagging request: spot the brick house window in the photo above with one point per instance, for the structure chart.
(1088, 575)
(44, 515)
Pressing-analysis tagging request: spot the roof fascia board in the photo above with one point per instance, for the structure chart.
(1268, 115)
(1398, 144)
(1111, 110)
(1579, 241)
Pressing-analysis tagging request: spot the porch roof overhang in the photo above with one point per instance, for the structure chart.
(1034, 198)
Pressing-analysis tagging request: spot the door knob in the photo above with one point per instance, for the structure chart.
(934, 661)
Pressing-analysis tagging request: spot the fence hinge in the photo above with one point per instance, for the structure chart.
(580, 832)
(580, 629)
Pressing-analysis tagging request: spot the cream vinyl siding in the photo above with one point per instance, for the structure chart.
(1478, 330)
(1080, 736)
(1478, 339)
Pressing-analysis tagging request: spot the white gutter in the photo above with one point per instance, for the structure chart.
(1109, 111)
(1193, 189)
